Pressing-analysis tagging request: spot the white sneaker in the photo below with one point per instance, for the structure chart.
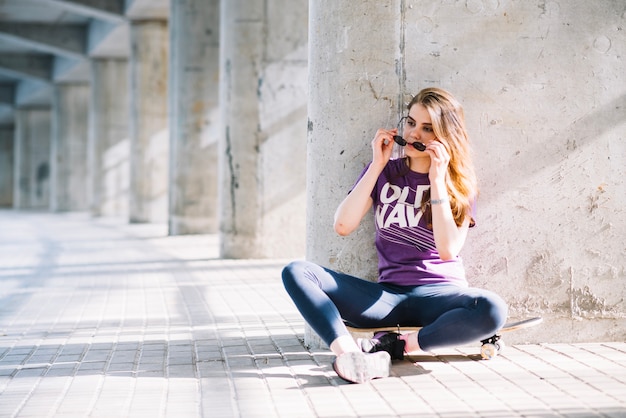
(359, 367)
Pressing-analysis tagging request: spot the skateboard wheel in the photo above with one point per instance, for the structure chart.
(489, 351)
(500, 346)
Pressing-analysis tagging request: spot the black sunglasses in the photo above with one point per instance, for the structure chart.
(400, 141)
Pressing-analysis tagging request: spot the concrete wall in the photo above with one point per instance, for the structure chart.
(543, 88)
(549, 150)
(6, 165)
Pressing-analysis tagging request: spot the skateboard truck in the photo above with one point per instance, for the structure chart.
(491, 347)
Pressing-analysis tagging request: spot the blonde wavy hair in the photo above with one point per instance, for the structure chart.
(448, 122)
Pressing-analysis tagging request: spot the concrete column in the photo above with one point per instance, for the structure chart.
(32, 158)
(149, 139)
(7, 133)
(109, 144)
(68, 186)
(193, 116)
(355, 86)
(263, 71)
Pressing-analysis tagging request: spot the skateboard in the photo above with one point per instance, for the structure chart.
(490, 347)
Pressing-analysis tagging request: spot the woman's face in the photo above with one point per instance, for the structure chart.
(417, 128)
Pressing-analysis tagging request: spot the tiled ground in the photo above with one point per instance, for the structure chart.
(101, 318)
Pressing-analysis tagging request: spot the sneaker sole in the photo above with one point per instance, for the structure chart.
(359, 367)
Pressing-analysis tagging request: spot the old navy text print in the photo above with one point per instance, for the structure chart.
(398, 214)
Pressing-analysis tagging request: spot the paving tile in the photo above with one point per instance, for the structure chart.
(113, 319)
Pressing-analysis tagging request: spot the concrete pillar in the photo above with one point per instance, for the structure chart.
(193, 116)
(7, 133)
(263, 71)
(109, 144)
(149, 139)
(68, 187)
(32, 158)
(355, 85)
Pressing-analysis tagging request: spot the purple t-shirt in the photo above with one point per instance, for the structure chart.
(407, 255)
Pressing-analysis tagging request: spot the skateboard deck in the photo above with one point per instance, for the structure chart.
(490, 347)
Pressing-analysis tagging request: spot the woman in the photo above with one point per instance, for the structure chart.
(423, 206)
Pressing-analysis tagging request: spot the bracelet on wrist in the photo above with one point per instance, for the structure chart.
(437, 201)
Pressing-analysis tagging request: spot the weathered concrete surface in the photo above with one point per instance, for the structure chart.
(550, 151)
(193, 116)
(354, 89)
(542, 84)
(263, 68)
(7, 133)
(70, 130)
(32, 158)
(149, 138)
(109, 144)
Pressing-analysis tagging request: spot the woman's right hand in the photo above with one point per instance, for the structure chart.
(359, 201)
(382, 145)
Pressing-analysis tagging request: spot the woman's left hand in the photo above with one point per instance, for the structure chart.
(439, 160)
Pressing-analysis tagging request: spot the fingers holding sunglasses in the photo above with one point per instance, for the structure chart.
(382, 145)
(439, 160)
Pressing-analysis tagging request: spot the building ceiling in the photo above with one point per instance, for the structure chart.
(43, 42)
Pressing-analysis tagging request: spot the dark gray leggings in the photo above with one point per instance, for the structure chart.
(449, 314)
